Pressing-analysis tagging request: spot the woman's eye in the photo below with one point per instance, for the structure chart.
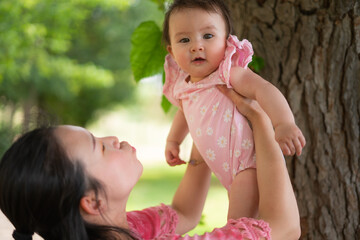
(184, 40)
(208, 36)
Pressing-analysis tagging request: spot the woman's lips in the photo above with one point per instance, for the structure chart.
(134, 149)
(123, 144)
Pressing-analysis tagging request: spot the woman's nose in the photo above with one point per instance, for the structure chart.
(112, 140)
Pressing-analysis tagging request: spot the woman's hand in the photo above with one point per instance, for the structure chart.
(247, 107)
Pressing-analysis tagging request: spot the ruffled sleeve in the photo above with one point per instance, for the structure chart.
(237, 53)
(172, 71)
(242, 228)
(153, 222)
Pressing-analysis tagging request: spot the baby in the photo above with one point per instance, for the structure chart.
(202, 55)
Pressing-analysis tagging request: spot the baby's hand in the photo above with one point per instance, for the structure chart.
(290, 138)
(172, 150)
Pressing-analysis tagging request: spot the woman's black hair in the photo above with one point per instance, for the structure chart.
(217, 6)
(41, 189)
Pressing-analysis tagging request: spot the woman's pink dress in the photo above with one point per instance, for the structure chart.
(221, 134)
(160, 223)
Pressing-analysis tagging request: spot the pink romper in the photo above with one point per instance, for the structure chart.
(160, 223)
(221, 134)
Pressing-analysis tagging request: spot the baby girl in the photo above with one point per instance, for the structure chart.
(202, 55)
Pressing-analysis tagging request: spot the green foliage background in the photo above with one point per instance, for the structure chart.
(61, 61)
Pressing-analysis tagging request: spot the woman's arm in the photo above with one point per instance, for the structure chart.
(277, 204)
(190, 196)
(277, 200)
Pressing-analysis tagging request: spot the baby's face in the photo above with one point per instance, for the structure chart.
(198, 41)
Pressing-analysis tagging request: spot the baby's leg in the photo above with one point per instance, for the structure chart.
(244, 195)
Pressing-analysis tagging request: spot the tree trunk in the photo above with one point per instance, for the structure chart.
(311, 50)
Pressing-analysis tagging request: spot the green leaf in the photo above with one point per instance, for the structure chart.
(147, 54)
(165, 104)
(257, 64)
(160, 4)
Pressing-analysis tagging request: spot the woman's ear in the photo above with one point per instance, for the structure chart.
(169, 49)
(91, 205)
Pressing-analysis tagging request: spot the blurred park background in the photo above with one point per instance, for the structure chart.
(98, 64)
(68, 62)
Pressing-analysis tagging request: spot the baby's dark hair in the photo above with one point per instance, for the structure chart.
(208, 5)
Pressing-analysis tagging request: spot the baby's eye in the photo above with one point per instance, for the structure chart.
(103, 147)
(208, 36)
(184, 40)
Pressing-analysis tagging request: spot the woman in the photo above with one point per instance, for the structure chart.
(64, 183)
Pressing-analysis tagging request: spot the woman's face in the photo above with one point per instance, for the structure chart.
(111, 162)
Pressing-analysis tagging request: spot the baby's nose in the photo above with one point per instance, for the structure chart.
(197, 47)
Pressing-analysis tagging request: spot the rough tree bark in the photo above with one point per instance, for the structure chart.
(311, 50)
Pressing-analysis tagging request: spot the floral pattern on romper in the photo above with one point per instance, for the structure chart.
(160, 223)
(221, 134)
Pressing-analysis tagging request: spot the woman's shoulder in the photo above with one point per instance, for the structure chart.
(153, 222)
(242, 228)
(159, 222)
(251, 228)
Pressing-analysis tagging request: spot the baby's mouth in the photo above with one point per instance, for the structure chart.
(198, 59)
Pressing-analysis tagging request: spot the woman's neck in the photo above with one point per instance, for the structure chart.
(117, 215)
(113, 216)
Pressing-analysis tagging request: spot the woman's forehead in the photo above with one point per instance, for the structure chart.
(73, 137)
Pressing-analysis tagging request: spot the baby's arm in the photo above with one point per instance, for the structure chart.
(251, 85)
(178, 132)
